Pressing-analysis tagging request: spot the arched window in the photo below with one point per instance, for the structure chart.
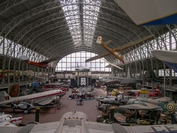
(70, 62)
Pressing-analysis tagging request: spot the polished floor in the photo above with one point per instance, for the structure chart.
(53, 114)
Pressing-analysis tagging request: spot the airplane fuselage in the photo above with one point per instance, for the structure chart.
(35, 96)
(41, 65)
(77, 122)
(83, 69)
(112, 51)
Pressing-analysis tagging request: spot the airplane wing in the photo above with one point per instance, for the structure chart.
(165, 55)
(97, 57)
(94, 127)
(169, 57)
(6, 124)
(43, 102)
(133, 43)
(56, 127)
(161, 99)
(78, 124)
(33, 128)
(145, 106)
(123, 47)
(50, 60)
(114, 65)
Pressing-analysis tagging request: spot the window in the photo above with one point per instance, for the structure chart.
(70, 62)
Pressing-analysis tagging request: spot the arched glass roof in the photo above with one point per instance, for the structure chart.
(81, 18)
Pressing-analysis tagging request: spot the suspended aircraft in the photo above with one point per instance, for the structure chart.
(115, 51)
(26, 102)
(82, 69)
(155, 11)
(112, 64)
(77, 122)
(168, 57)
(42, 64)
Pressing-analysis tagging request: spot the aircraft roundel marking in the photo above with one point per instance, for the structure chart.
(170, 107)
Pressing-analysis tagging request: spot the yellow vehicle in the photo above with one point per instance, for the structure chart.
(120, 90)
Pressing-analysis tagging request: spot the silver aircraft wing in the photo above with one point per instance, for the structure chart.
(77, 123)
(43, 102)
(94, 127)
(145, 106)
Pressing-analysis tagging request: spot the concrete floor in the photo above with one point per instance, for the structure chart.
(53, 114)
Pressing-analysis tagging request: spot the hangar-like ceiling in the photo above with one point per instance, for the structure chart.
(62, 27)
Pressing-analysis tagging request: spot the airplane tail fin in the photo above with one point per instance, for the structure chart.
(4, 96)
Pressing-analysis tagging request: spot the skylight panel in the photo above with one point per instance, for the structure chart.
(81, 17)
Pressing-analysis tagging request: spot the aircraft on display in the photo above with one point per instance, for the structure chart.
(82, 69)
(120, 80)
(7, 73)
(26, 102)
(112, 64)
(9, 121)
(138, 10)
(116, 100)
(42, 64)
(77, 122)
(115, 51)
(53, 86)
(168, 57)
(144, 103)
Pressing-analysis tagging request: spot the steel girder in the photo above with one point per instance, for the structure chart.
(33, 26)
(9, 4)
(31, 13)
(28, 14)
(103, 20)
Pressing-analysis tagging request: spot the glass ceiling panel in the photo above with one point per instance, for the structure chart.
(81, 16)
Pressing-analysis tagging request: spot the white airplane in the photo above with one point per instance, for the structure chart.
(77, 122)
(82, 69)
(23, 102)
(7, 120)
(168, 57)
(121, 80)
(112, 64)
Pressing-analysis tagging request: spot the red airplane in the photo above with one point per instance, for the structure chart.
(42, 64)
(154, 93)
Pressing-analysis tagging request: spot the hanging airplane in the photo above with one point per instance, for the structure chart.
(77, 122)
(82, 69)
(24, 102)
(42, 64)
(115, 51)
(167, 56)
(112, 64)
